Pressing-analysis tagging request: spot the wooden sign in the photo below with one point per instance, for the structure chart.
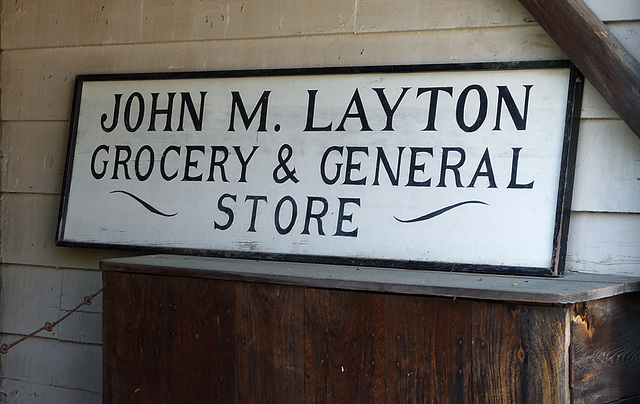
(452, 167)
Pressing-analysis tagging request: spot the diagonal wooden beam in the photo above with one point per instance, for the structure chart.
(589, 43)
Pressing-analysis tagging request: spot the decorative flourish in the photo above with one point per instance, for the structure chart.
(145, 204)
(438, 212)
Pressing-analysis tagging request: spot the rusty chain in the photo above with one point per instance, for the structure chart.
(48, 326)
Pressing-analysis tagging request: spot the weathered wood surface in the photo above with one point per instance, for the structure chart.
(45, 44)
(573, 287)
(176, 339)
(591, 45)
(45, 367)
(144, 21)
(39, 24)
(56, 68)
(607, 168)
(604, 338)
(604, 243)
(198, 342)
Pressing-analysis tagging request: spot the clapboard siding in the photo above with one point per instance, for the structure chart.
(594, 106)
(19, 392)
(606, 243)
(47, 43)
(40, 81)
(29, 224)
(33, 155)
(32, 300)
(46, 362)
(43, 294)
(627, 33)
(607, 168)
(42, 24)
(35, 79)
(615, 10)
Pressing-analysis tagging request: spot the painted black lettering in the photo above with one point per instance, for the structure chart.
(485, 162)
(224, 209)
(262, 105)
(218, 163)
(121, 160)
(462, 104)
(413, 167)
(163, 161)
(317, 216)
(244, 162)
(351, 166)
(151, 159)
(189, 163)
(359, 113)
(116, 115)
(342, 217)
(155, 111)
(127, 112)
(196, 118)
(254, 209)
(323, 164)
(433, 104)
(514, 171)
(388, 110)
(311, 106)
(519, 119)
(382, 158)
(294, 215)
(455, 168)
(99, 175)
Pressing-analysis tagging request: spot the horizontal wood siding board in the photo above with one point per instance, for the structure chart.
(573, 287)
(607, 168)
(53, 363)
(42, 24)
(605, 243)
(589, 43)
(24, 389)
(615, 10)
(29, 225)
(55, 69)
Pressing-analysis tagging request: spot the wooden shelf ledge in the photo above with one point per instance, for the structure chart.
(574, 287)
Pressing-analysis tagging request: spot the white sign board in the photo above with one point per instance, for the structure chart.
(462, 167)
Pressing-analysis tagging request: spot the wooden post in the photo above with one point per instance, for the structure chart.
(589, 43)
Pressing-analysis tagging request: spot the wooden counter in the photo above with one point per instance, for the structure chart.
(207, 330)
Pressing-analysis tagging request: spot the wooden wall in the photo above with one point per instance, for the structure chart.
(46, 43)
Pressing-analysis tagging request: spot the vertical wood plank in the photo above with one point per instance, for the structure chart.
(269, 343)
(545, 340)
(186, 340)
(519, 353)
(176, 339)
(161, 335)
(606, 349)
(344, 349)
(428, 350)
(497, 353)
